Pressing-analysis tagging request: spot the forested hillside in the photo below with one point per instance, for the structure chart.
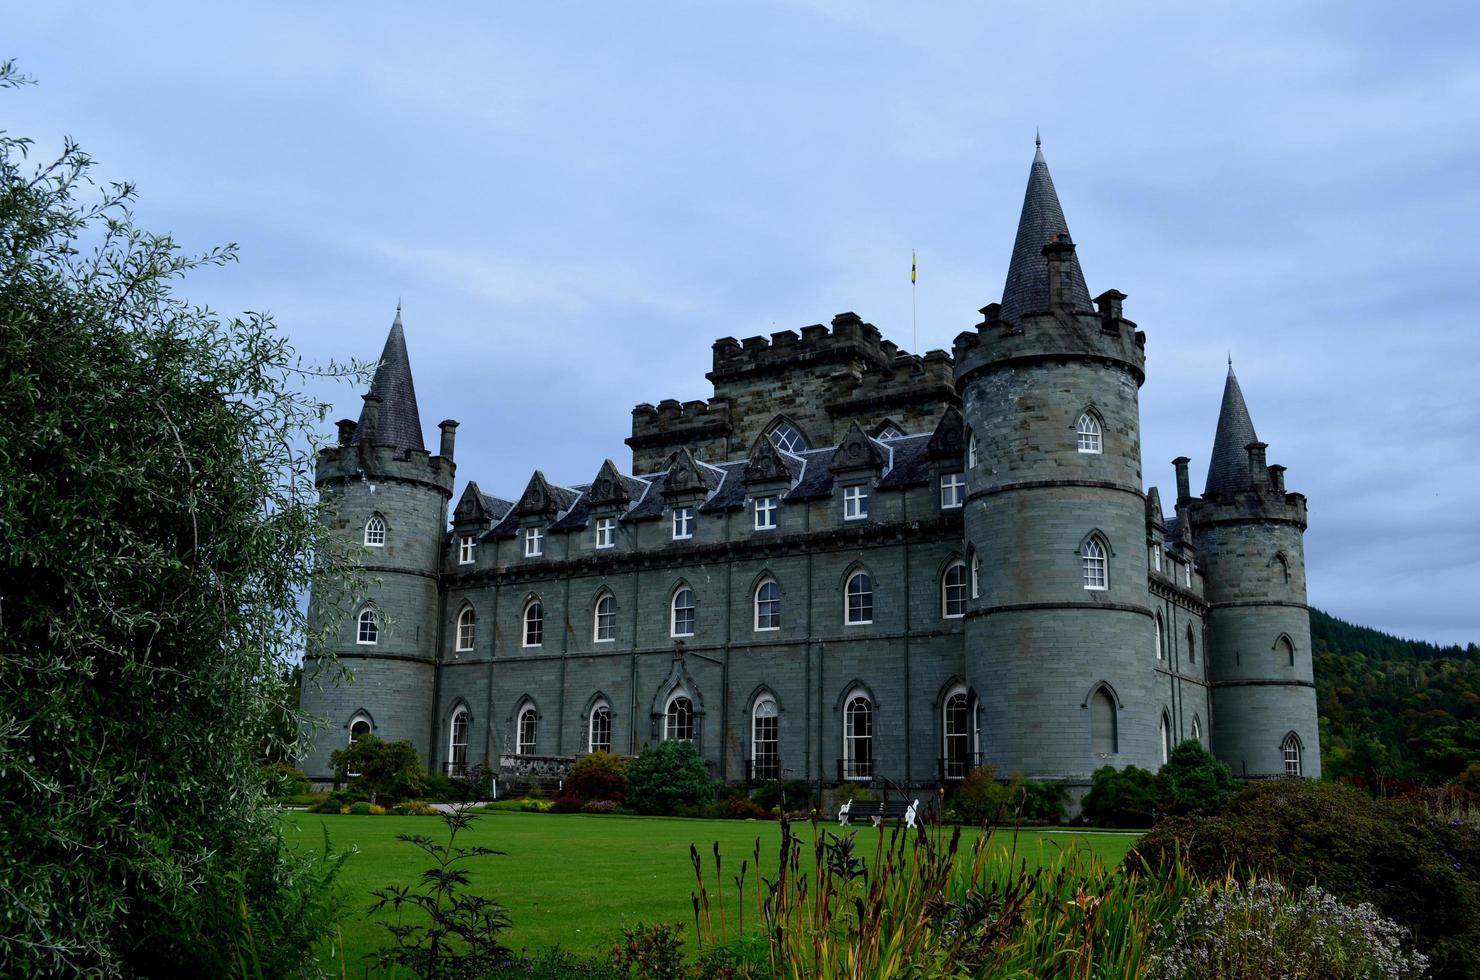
(1396, 709)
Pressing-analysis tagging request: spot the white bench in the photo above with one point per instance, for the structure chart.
(907, 811)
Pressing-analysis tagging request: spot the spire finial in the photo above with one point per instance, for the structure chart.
(1037, 139)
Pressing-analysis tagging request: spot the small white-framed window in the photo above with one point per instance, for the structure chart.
(467, 628)
(368, 633)
(855, 503)
(457, 742)
(858, 600)
(534, 542)
(1165, 731)
(526, 738)
(953, 591)
(1290, 749)
(678, 719)
(604, 626)
(683, 523)
(606, 532)
(467, 548)
(976, 576)
(1160, 644)
(765, 513)
(1096, 576)
(375, 532)
(599, 728)
(767, 606)
(534, 624)
(1087, 430)
(971, 454)
(858, 737)
(685, 613)
(952, 490)
(956, 736)
(765, 739)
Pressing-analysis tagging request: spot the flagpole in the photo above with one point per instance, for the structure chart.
(914, 324)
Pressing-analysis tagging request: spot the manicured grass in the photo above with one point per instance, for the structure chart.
(575, 879)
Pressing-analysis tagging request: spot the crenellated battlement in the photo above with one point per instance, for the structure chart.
(848, 339)
(358, 461)
(1060, 333)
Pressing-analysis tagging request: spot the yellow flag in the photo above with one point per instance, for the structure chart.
(912, 266)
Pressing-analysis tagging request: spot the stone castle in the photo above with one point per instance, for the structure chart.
(852, 563)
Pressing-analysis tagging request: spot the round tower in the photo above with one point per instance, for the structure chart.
(1250, 539)
(1059, 644)
(387, 495)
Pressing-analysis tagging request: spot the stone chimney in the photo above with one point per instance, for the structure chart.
(1184, 486)
(372, 418)
(347, 431)
(1060, 254)
(449, 438)
(1258, 470)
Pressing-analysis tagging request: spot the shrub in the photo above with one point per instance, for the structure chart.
(600, 806)
(415, 808)
(531, 805)
(666, 776)
(1193, 781)
(362, 809)
(532, 789)
(281, 779)
(388, 771)
(1261, 931)
(599, 776)
(655, 952)
(1121, 797)
(440, 789)
(742, 809)
(1420, 872)
(1043, 802)
(848, 792)
(565, 803)
(794, 794)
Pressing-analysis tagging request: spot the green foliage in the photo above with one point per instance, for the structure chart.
(161, 526)
(598, 776)
(983, 799)
(414, 808)
(1193, 781)
(668, 776)
(854, 791)
(1121, 797)
(1423, 873)
(652, 952)
(281, 779)
(361, 809)
(388, 771)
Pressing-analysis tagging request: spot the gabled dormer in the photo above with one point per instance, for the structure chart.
(609, 492)
(857, 454)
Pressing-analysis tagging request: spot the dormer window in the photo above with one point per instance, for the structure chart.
(606, 532)
(375, 532)
(787, 438)
(952, 490)
(765, 513)
(1088, 430)
(855, 503)
(889, 432)
(534, 542)
(683, 523)
(466, 548)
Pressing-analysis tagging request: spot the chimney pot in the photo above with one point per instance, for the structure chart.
(449, 438)
(1184, 486)
(1258, 471)
(372, 418)
(347, 429)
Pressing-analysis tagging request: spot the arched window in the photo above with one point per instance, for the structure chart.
(788, 438)
(457, 742)
(526, 738)
(1096, 576)
(1197, 728)
(888, 432)
(684, 613)
(534, 624)
(765, 739)
(1286, 651)
(467, 625)
(678, 722)
(976, 575)
(375, 532)
(858, 605)
(1088, 431)
(1281, 569)
(1290, 748)
(956, 736)
(604, 627)
(971, 455)
(1191, 646)
(359, 727)
(858, 737)
(1104, 734)
(599, 730)
(953, 591)
(369, 630)
(1160, 648)
(768, 605)
(1165, 730)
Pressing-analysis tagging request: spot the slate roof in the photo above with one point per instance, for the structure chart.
(1026, 290)
(565, 499)
(911, 465)
(497, 507)
(578, 515)
(1228, 467)
(399, 422)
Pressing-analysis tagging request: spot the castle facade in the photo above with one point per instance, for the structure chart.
(851, 563)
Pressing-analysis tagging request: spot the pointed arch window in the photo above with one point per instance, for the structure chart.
(956, 756)
(1088, 431)
(678, 719)
(457, 742)
(526, 736)
(1103, 727)
(375, 532)
(368, 633)
(534, 624)
(1286, 651)
(858, 605)
(684, 613)
(467, 627)
(858, 737)
(788, 438)
(976, 576)
(1290, 749)
(1096, 574)
(765, 739)
(953, 591)
(599, 728)
(604, 626)
(1197, 728)
(1161, 653)
(1191, 646)
(768, 606)
(971, 454)
(1165, 731)
(1281, 569)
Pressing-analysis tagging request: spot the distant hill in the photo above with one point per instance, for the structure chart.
(1395, 709)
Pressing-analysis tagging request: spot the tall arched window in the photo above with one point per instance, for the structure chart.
(526, 739)
(1096, 575)
(1197, 728)
(678, 722)
(1191, 646)
(684, 613)
(1286, 651)
(858, 737)
(971, 455)
(599, 730)
(467, 625)
(1290, 749)
(1281, 569)
(768, 605)
(534, 624)
(375, 531)
(953, 591)
(765, 739)
(976, 575)
(604, 627)
(1088, 431)
(457, 742)
(956, 736)
(359, 727)
(369, 630)
(858, 603)
(1104, 733)
(1160, 648)
(1165, 730)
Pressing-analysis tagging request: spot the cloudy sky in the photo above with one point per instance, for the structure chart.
(574, 201)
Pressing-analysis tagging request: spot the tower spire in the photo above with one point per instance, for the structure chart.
(1026, 290)
(1228, 467)
(398, 423)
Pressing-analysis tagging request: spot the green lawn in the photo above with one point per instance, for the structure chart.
(575, 879)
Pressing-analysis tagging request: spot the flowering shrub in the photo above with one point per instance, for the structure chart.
(1261, 930)
(600, 806)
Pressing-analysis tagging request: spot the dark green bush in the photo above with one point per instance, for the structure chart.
(1193, 781)
(1419, 871)
(1121, 797)
(440, 789)
(598, 776)
(281, 779)
(359, 809)
(388, 771)
(667, 776)
(1043, 802)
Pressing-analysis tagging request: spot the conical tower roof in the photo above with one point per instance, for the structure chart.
(398, 423)
(1026, 290)
(1228, 467)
